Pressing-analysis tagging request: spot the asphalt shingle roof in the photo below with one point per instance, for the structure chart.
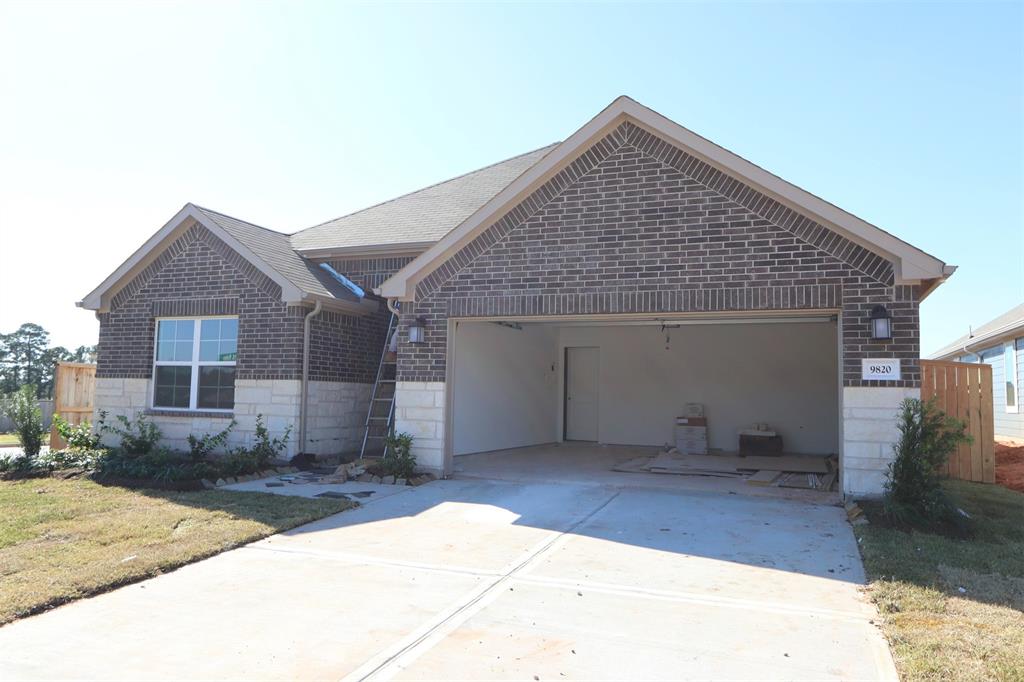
(1010, 320)
(425, 215)
(275, 249)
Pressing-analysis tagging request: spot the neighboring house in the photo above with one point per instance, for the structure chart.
(1000, 343)
(584, 291)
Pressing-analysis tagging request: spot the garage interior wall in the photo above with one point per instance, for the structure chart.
(507, 394)
(508, 383)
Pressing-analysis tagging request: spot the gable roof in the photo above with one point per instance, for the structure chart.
(910, 264)
(270, 252)
(1010, 323)
(419, 218)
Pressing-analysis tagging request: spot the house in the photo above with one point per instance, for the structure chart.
(999, 343)
(584, 291)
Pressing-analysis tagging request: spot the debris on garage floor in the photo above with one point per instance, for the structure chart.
(810, 472)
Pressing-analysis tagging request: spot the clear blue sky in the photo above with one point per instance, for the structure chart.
(287, 114)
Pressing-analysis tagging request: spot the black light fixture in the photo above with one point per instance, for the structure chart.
(417, 332)
(881, 324)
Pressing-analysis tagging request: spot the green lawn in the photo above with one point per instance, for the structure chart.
(9, 439)
(65, 539)
(953, 609)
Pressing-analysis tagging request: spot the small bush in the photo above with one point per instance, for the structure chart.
(77, 436)
(913, 486)
(18, 466)
(138, 436)
(266, 448)
(241, 462)
(22, 408)
(398, 460)
(157, 465)
(71, 458)
(201, 448)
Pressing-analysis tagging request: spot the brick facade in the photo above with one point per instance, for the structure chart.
(636, 225)
(200, 275)
(370, 273)
(346, 348)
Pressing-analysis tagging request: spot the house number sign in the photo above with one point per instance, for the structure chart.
(880, 369)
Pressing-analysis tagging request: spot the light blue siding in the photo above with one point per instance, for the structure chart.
(1006, 423)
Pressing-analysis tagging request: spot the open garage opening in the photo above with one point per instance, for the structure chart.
(608, 390)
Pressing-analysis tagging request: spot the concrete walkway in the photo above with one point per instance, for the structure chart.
(475, 579)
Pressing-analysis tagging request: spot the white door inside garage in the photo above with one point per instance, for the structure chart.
(582, 392)
(523, 382)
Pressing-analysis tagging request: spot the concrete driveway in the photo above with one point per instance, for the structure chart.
(474, 579)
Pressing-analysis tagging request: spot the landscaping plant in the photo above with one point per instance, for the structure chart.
(913, 490)
(77, 436)
(398, 460)
(201, 448)
(22, 408)
(138, 436)
(267, 448)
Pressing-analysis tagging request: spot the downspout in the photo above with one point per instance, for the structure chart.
(304, 400)
(970, 335)
(393, 308)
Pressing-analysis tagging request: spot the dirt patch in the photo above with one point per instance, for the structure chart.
(1010, 464)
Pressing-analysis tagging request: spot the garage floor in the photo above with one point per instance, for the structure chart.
(485, 579)
(590, 464)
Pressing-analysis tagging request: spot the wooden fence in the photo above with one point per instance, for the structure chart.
(964, 390)
(73, 390)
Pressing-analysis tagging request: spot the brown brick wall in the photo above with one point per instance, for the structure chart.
(638, 226)
(369, 272)
(199, 274)
(345, 347)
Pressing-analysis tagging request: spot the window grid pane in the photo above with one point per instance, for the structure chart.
(216, 388)
(173, 386)
(174, 340)
(218, 342)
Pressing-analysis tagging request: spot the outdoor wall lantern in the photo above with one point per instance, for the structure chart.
(881, 324)
(417, 332)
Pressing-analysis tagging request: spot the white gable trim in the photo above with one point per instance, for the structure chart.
(911, 265)
(99, 298)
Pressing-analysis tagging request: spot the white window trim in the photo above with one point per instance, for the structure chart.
(195, 364)
(1010, 374)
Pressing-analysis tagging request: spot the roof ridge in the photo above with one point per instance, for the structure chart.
(231, 217)
(423, 189)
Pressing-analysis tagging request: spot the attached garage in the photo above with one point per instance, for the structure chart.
(638, 267)
(525, 382)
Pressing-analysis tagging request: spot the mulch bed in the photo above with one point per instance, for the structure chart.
(1010, 465)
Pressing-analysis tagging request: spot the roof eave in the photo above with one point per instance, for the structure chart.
(98, 298)
(367, 250)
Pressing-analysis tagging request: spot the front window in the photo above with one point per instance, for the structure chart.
(1010, 372)
(195, 363)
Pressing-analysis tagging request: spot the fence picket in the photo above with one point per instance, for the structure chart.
(964, 390)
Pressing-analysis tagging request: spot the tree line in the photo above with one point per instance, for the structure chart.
(27, 358)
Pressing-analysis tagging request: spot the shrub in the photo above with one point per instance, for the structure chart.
(398, 460)
(22, 408)
(77, 436)
(20, 465)
(138, 436)
(241, 462)
(201, 448)
(71, 458)
(157, 465)
(914, 494)
(267, 448)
